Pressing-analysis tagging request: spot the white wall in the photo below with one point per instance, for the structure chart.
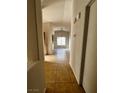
(77, 36)
(90, 71)
(77, 31)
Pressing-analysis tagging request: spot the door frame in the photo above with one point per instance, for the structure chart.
(85, 35)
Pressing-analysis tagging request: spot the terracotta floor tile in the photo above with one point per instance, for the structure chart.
(50, 66)
(60, 78)
(63, 76)
(63, 88)
(50, 76)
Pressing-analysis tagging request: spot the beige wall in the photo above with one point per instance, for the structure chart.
(90, 71)
(32, 44)
(35, 74)
(48, 29)
(39, 29)
(77, 31)
(35, 79)
(57, 11)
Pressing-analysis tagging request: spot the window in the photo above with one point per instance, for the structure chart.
(61, 41)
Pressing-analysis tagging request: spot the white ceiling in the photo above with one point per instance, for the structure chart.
(57, 11)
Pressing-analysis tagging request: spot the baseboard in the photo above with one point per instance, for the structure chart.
(74, 73)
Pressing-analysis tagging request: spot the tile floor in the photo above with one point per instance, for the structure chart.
(59, 76)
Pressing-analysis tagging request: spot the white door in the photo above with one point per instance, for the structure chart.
(90, 68)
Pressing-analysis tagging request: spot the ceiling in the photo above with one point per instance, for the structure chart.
(57, 12)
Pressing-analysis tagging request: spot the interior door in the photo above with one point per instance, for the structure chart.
(90, 66)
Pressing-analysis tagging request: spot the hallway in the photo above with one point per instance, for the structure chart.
(60, 56)
(60, 32)
(59, 76)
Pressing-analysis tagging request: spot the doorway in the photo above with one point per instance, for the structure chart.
(61, 40)
(89, 41)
